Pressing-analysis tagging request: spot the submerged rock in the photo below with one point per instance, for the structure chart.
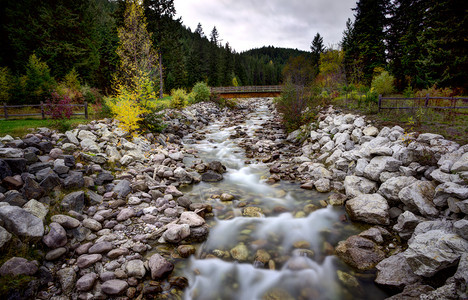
(359, 252)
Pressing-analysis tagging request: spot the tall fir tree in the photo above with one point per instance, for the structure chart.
(317, 48)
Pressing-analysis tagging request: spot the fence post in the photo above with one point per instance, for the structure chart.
(42, 110)
(86, 109)
(427, 101)
(5, 110)
(380, 101)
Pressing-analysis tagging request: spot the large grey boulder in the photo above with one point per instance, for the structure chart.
(18, 266)
(379, 164)
(355, 185)
(390, 188)
(433, 251)
(369, 208)
(74, 201)
(74, 180)
(453, 189)
(461, 164)
(123, 188)
(418, 197)
(406, 224)
(394, 272)
(22, 223)
(159, 266)
(56, 237)
(36, 208)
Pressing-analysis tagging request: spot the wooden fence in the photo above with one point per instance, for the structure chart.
(42, 106)
(450, 103)
(247, 89)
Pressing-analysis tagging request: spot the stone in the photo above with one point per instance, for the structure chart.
(412, 292)
(100, 247)
(394, 272)
(73, 201)
(55, 253)
(418, 197)
(11, 153)
(5, 169)
(67, 278)
(175, 233)
(337, 199)
(36, 208)
(186, 250)
(122, 189)
(135, 268)
(50, 182)
(379, 164)
(461, 228)
(115, 253)
(22, 223)
(86, 282)
(14, 198)
(369, 208)
(390, 188)
(125, 214)
(434, 250)
(252, 211)
(461, 164)
(240, 252)
(87, 260)
(85, 134)
(66, 221)
(453, 189)
(370, 131)
(104, 177)
(60, 167)
(406, 224)
(355, 185)
(56, 237)
(211, 176)
(322, 185)
(159, 266)
(226, 197)
(191, 218)
(114, 287)
(74, 180)
(18, 266)
(5, 237)
(12, 183)
(92, 224)
(359, 252)
(94, 198)
(172, 190)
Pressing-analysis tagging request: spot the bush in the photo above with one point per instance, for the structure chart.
(383, 83)
(201, 92)
(58, 107)
(37, 82)
(179, 99)
(153, 121)
(5, 84)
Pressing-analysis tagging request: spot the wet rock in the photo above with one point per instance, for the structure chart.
(159, 266)
(18, 266)
(394, 272)
(191, 218)
(176, 233)
(252, 211)
(226, 197)
(56, 237)
(240, 252)
(67, 278)
(86, 282)
(211, 176)
(136, 268)
(87, 260)
(359, 252)
(186, 250)
(337, 199)
(199, 234)
(114, 287)
(419, 198)
(74, 201)
(262, 256)
(22, 223)
(369, 208)
(355, 185)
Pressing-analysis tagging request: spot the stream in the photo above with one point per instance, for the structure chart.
(270, 241)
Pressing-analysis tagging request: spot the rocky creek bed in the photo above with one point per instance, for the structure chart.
(225, 205)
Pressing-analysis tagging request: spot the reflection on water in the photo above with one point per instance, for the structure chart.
(283, 252)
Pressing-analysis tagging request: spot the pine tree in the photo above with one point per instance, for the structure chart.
(317, 48)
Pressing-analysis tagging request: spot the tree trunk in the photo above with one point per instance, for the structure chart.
(161, 81)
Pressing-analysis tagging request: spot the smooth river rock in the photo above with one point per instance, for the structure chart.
(369, 208)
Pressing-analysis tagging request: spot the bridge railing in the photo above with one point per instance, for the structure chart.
(247, 89)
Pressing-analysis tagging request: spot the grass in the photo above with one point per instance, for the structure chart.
(21, 127)
(453, 125)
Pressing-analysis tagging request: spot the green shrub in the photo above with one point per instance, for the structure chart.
(201, 92)
(383, 83)
(5, 84)
(179, 99)
(153, 121)
(38, 83)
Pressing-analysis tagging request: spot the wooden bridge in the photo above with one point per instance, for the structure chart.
(247, 91)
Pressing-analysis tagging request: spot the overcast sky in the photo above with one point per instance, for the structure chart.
(248, 24)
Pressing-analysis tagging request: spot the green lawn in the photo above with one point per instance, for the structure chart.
(20, 127)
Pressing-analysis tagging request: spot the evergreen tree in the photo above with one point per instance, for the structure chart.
(317, 48)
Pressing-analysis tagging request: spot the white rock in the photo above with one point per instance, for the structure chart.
(369, 208)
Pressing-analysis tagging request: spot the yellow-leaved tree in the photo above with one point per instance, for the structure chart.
(136, 85)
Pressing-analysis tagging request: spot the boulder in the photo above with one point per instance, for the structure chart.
(461, 164)
(435, 250)
(36, 208)
(418, 197)
(159, 266)
(359, 252)
(394, 272)
(406, 224)
(86, 282)
(73, 201)
(32, 189)
(22, 223)
(5, 237)
(18, 266)
(369, 208)
(452, 189)
(67, 278)
(4, 169)
(355, 185)
(14, 198)
(135, 268)
(56, 237)
(379, 164)
(176, 233)
(114, 287)
(390, 188)
(191, 218)
(74, 180)
(211, 176)
(123, 188)
(412, 292)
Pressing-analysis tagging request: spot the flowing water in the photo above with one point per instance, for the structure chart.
(270, 241)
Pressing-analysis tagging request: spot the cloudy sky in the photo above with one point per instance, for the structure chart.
(248, 24)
